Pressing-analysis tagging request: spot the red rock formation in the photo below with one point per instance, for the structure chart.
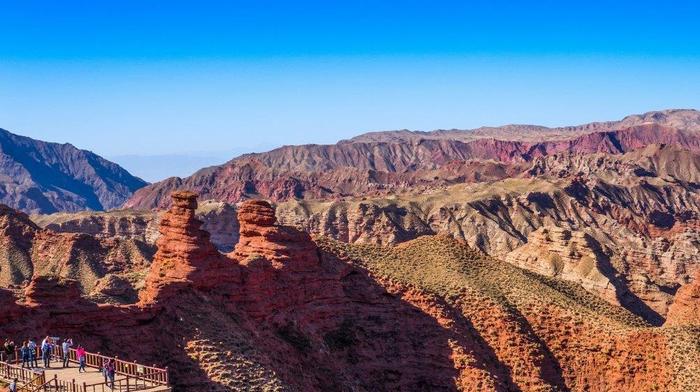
(685, 309)
(52, 290)
(9, 309)
(260, 237)
(279, 260)
(295, 316)
(185, 255)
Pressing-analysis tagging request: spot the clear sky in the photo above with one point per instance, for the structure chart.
(210, 79)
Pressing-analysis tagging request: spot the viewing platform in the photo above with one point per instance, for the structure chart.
(129, 376)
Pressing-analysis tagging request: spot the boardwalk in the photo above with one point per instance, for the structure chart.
(130, 376)
(93, 380)
(92, 376)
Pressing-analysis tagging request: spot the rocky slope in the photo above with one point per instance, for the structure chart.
(285, 312)
(42, 177)
(573, 256)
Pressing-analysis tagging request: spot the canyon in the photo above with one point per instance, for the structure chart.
(502, 258)
(626, 223)
(431, 313)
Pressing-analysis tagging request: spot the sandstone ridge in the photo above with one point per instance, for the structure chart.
(260, 236)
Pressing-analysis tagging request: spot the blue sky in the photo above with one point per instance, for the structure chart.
(209, 80)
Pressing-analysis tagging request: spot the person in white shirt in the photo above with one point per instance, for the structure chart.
(67, 344)
(32, 354)
(46, 352)
(13, 386)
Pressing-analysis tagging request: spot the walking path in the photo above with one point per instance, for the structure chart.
(94, 380)
(92, 376)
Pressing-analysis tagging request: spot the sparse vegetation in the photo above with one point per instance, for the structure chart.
(534, 311)
(445, 267)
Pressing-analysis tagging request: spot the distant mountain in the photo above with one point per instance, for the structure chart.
(686, 119)
(43, 177)
(394, 160)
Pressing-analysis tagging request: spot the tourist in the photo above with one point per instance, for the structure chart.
(9, 350)
(53, 350)
(105, 364)
(110, 370)
(26, 357)
(67, 344)
(46, 352)
(13, 386)
(80, 353)
(32, 353)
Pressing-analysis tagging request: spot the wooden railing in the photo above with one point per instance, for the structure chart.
(10, 372)
(125, 384)
(134, 370)
(40, 385)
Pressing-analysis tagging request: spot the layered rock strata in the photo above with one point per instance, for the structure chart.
(573, 256)
(407, 161)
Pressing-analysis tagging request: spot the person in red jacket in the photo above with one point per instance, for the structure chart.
(80, 353)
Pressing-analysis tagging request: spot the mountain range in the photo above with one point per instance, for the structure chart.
(43, 177)
(389, 161)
